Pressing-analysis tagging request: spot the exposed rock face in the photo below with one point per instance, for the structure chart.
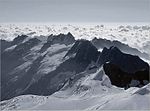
(124, 79)
(46, 46)
(126, 62)
(17, 87)
(10, 61)
(4, 44)
(84, 51)
(20, 50)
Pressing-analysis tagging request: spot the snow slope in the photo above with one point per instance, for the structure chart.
(92, 92)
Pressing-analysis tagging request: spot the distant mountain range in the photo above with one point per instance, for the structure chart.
(32, 66)
(136, 36)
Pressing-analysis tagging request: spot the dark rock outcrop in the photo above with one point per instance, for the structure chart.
(124, 79)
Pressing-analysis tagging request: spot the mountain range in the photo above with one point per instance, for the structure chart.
(47, 67)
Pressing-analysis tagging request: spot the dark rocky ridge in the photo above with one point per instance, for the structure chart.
(66, 39)
(19, 39)
(101, 43)
(126, 62)
(61, 38)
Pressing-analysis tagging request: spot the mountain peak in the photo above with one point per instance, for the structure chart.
(69, 34)
(61, 38)
(111, 49)
(115, 49)
(19, 39)
(83, 50)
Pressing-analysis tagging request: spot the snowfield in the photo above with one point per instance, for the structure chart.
(92, 92)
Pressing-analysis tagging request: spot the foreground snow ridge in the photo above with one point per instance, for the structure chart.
(92, 92)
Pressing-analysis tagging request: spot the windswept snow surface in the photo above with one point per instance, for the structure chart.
(92, 92)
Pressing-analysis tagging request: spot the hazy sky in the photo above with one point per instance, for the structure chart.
(74, 11)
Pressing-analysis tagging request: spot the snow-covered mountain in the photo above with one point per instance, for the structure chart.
(64, 72)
